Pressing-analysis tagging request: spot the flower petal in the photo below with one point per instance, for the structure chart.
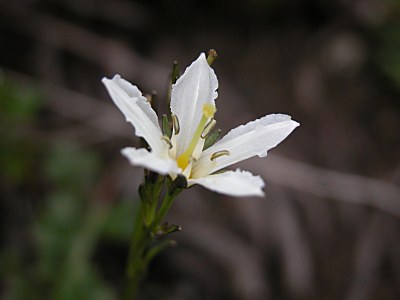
(150, 160)
(137, 111)
(245, 141)
(195, 87)
(233, 183)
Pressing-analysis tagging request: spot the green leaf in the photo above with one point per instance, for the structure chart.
(18, 103)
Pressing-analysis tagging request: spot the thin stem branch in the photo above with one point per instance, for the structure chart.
(164, 208)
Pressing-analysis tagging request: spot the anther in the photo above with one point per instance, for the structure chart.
(212, 55)
(209, 110)
(175, 124)
(206, 131)
(219, 154)
(167, 140)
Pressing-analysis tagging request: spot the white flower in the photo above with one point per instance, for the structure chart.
(193, 107)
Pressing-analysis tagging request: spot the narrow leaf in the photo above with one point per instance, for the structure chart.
(166, 126)
(212, 138)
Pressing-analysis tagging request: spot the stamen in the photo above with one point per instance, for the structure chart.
(219, 154)
(210, 125)
(167, 140)
(175, 124)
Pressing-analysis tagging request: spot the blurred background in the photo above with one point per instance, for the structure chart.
(329, 225)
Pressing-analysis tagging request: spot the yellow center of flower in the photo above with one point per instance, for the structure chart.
(208, 112)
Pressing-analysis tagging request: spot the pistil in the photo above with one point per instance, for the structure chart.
(208, 113)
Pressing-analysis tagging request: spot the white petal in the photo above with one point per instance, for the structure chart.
(234, 183)
(137, 111)
(245, 141)
(150, 160)
(195, 87)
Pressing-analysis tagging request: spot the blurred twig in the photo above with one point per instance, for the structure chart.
(370, 252)
(331, 184)
(112, 55)
(245, 271)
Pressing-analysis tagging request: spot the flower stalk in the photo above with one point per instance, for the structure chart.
(150, 236)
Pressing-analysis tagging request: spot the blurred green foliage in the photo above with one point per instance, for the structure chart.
(67, 223)
(18, 108)
(18, 105)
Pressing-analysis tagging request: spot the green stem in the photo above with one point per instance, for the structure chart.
(147, 221)
(164, 208)
(138, 245)
(153, 190)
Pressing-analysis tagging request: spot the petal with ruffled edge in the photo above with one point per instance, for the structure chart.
(233, 183)
(193, 89)
(245, 141)
(149, 160)
(137, 111)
